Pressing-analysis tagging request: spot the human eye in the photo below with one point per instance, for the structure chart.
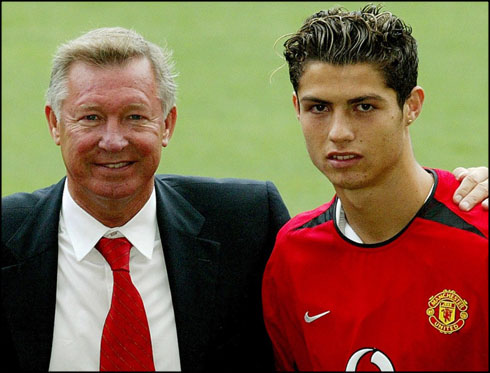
(364, 108)
(135, 117)
(319, 108)
(90, 117)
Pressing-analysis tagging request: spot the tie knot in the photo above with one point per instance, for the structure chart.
(116, 252)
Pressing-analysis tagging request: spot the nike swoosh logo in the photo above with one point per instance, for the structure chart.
(309, 319)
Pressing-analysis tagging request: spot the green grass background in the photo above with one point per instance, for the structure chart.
(234, 120)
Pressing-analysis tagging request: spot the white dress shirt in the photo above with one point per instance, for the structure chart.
(84, 287)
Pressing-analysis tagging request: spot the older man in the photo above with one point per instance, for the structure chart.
(196, 247)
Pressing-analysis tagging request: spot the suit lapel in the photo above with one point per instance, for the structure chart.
(29, 287)
(192, 270)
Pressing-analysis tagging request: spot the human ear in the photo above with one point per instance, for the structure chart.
(296, 104)
(413, 104)
(169, 126)
(53, 124)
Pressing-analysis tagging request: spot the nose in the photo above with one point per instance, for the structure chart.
(113, 138)
(340, 129)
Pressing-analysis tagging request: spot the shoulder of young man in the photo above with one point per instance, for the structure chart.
(308, 219)
(445, 210)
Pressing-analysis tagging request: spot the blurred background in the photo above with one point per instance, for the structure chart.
(235, 117)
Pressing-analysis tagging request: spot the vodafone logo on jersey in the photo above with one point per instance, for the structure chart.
(447, 311)
(378, 358)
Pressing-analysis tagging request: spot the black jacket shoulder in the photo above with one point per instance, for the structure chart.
(229, 196)
(18, 207)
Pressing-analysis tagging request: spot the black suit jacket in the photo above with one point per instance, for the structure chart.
(217, 235)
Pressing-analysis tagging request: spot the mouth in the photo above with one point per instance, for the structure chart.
(342, 157)
(342, 160)
(116, 165)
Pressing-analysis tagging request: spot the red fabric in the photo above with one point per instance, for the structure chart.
(126, 342)
(379, 296)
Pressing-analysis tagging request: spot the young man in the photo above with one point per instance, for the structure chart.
(390, 274)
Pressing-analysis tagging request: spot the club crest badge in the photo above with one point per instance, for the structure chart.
(447, 311)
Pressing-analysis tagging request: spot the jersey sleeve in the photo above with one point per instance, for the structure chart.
(274, 316)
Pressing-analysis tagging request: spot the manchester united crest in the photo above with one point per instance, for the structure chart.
(447, 311)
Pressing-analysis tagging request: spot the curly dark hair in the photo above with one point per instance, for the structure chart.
(340, 37)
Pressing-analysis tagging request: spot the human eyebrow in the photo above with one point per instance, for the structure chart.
(88, 107)
(136, 107)
(360, 99)
(314, 100)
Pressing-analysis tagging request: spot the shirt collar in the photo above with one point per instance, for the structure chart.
(85, 231)
(344, 225)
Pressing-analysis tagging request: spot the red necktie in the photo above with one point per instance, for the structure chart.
(126, 342)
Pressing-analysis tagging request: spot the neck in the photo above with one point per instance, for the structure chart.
(378, 213)
(108, 211)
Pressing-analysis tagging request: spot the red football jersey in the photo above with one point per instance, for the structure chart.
(418, 301)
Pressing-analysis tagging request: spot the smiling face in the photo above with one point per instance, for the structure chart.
(111, 131)
(355, 132)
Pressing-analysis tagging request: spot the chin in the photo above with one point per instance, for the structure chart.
(115, 191)
(348, 182)
(113, 195)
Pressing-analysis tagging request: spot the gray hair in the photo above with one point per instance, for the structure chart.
(111, 46)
